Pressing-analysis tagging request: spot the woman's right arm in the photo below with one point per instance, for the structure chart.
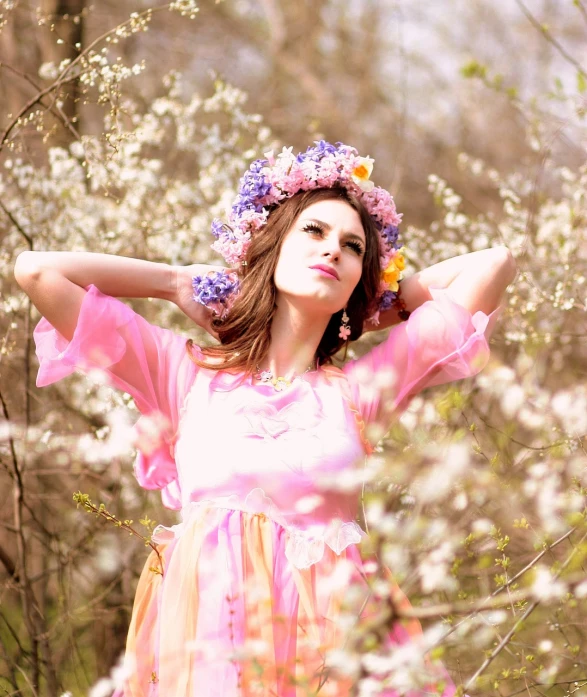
(55, 282)
(85, 327)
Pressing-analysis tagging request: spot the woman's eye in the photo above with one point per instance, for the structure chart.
(356, 247)
(311, 227)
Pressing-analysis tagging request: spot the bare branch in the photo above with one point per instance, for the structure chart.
(9, 565)
(550, 38)
(16, 224)
(581, 7)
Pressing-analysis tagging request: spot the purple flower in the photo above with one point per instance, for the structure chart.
(253, 187)
(390, 235)
(218, 228)
(321, 149)
(257, 165)
(215, 287)
(386, 300)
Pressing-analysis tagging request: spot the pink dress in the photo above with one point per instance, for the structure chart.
(244, 596)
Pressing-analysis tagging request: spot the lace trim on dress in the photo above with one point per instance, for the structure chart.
(304, 547)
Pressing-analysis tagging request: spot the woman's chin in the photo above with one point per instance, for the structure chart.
(316, 301)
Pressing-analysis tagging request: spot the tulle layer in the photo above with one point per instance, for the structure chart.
(220, 611)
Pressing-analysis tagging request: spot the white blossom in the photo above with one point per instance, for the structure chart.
(545, 587)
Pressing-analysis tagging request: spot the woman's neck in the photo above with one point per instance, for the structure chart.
(295, 337)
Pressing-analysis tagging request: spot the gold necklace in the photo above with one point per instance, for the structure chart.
(279, 383)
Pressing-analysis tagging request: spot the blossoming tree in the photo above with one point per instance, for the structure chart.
(475, 498)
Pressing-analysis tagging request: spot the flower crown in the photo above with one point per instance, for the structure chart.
(271, 180)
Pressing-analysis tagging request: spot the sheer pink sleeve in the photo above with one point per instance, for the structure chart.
(439, 343)
(148, 362)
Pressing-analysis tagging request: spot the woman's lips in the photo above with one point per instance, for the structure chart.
(326, 271)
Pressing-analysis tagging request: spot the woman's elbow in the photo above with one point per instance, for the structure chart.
(26, 269)
(504, 264)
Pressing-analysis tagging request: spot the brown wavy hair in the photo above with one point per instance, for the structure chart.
(245, 334)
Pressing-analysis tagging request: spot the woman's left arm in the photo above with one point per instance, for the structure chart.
(477, 281)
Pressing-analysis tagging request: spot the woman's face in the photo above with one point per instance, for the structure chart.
(321, 258)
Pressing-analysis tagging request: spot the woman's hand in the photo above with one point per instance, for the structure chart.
(184, 295)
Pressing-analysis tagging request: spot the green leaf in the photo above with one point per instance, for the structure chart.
(581, 82)
(474, 69)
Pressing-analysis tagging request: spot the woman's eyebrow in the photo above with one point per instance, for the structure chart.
(320, 223)
(326, 226)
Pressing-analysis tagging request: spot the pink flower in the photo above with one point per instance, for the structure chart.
(328, 174)
(344, 333)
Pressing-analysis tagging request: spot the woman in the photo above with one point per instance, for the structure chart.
(249, 438)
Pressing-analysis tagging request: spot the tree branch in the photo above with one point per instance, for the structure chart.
(9, 565)
(66, 76)
(503, 643)
(550, 38)
(57, 112)
(16, 224)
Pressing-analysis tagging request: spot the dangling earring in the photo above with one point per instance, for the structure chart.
(345, 327)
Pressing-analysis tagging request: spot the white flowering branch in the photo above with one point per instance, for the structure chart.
(55, 110)
(136, 22)
(529, 610)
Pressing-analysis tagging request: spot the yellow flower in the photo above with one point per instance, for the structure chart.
(399, 261)
(391, 277)
(392, 273)
(362, 172)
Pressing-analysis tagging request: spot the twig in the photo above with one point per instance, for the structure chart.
(84, 500)
(512, 580)
(579, 5)
(540, 448)
(16, 224)
(550, 38)
(489, 603)
(9, 565)
(498, 649)
(57, 112)
(536, 684)
(25, 588)
(434, 611)
(66, 76)
(526, 614)
(534, 561)
(10, 438)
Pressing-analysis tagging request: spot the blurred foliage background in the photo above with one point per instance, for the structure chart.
(124, 128)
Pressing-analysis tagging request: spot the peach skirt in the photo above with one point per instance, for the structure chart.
(229, 616)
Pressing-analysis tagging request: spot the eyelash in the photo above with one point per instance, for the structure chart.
(357, 247)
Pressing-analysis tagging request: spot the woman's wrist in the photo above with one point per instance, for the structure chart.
(172, 283)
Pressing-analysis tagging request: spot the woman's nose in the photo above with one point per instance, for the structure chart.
(332, 249)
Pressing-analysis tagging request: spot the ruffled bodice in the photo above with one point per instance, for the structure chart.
(276, 453)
